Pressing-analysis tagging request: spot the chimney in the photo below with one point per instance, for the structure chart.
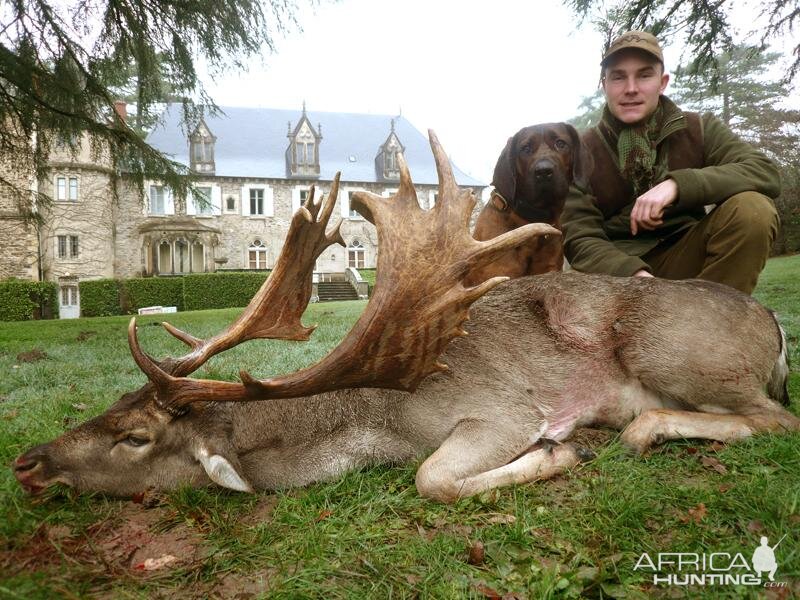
(121, 107)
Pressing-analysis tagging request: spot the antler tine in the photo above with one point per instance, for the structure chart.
(418, 305)
(274, 311)
(447, 182)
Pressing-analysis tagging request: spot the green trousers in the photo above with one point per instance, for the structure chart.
(729, 245)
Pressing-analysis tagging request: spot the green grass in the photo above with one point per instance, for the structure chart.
(369, 534)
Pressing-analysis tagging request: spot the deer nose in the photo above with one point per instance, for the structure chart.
(24, 464)
(543, 170)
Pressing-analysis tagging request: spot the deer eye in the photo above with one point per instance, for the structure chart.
(560, 145)
(136, 440)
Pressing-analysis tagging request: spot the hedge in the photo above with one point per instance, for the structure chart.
(220, 290)
(25, 300)
(151, 291)
(100, 298)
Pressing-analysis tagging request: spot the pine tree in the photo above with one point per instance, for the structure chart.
(61, 64)
(705, 26)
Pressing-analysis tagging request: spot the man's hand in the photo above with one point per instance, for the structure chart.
(642, 273)
(648, 211)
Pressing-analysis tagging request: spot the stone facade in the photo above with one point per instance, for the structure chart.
(89, 232)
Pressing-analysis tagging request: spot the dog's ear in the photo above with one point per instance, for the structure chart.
(582, 162)
(505, 172)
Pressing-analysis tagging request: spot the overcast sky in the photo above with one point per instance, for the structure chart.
(474, 71)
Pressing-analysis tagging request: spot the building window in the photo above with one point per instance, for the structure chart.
(66, 188)
(256, 201)
(203, 201)
(355, 255)
(203, 150)
(157, 200)
(230, 204)
(67, 246)
(354, 214)
(257, 255)
(391, 161)
(304, 152)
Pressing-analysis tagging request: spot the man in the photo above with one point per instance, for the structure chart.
(655, 168)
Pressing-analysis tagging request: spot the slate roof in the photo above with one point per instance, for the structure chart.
(252, 142)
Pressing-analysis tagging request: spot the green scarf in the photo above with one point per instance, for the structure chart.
(637, 145)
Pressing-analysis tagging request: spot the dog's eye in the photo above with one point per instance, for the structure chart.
(526, 149)
(560, 145)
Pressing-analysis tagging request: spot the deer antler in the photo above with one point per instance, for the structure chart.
(417, 308)
(275, 310)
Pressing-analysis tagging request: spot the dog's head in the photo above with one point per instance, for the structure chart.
(536, 167)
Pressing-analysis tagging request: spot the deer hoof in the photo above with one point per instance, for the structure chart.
(585, 454)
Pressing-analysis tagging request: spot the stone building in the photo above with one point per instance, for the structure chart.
(256, 166)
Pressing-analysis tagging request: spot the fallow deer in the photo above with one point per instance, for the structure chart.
(544, 355)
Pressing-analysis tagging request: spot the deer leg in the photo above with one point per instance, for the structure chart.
(475, 459)
(659, 425)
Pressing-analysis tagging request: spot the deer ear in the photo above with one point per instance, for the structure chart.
(221, 471)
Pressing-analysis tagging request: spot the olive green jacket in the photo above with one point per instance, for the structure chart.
(598, 243)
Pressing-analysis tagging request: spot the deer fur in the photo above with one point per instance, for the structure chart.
(544, 355)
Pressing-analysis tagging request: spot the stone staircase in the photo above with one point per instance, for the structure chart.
(336, 290)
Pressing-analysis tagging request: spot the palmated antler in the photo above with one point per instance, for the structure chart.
(417, 308)
(275, 310)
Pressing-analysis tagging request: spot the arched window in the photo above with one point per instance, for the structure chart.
(181, 256)
(198, 258)
(257, 255)
(165, 257)
(355, 255)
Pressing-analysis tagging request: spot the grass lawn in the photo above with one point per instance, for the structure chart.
(369, 534)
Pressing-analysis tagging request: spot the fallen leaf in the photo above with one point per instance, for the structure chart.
(712, 463)
(695, 514)
(413, 579)
(717, 446)
(691, 450)
(477, 554)
(153, 564)
(80, 406)
(488, 592)
(323, 515)
(755, 526)
(724, 488)
(502, 519)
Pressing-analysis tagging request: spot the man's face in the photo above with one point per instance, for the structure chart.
(632, 83)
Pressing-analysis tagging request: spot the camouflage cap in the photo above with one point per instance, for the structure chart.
(641, 40)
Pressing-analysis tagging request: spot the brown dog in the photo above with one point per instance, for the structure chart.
(531, 181)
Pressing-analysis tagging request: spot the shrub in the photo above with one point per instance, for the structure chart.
(100, 298)
(220, 290)
(25, 300)
(151, 291)
(368, 275)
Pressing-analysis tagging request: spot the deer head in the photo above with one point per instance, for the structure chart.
(176, 430)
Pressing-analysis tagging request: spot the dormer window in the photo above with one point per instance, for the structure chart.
(387, 166)
(302, 155)
(201, 149)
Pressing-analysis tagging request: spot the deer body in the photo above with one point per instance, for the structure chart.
(540, 356)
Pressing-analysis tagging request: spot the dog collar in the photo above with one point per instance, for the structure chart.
(498, 201)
